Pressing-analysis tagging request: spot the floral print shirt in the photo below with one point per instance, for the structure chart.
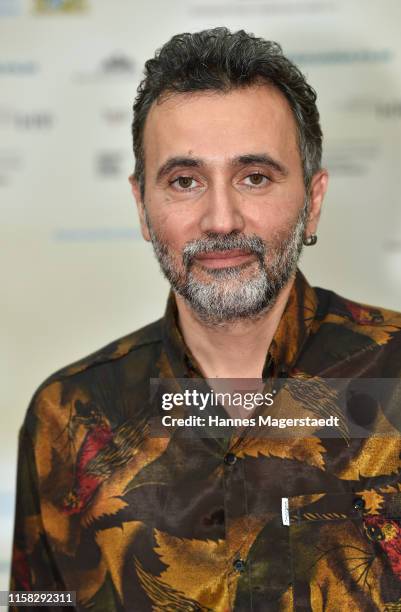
(131, 521)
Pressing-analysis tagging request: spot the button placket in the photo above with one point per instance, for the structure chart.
(239, 565)
(230, 458)
(236, 511)
(358, 505)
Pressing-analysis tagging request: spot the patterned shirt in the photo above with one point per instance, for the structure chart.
(137, 522)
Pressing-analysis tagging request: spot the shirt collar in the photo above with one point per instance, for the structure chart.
(282, 355)
(294, 326)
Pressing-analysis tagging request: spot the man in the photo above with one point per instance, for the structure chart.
(229, 186)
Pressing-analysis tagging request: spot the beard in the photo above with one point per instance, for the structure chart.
(246, 291)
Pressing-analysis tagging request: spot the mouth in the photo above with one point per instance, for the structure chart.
(224, 259)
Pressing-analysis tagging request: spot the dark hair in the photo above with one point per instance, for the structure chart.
(220, 60)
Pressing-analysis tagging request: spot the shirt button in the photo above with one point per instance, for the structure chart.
(239, 565)
(230, 459)
(358, 504)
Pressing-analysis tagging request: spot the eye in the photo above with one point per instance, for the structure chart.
(256, 180)
(184, 183)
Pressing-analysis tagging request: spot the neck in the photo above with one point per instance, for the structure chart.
(237, 349)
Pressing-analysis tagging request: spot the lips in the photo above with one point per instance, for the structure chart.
(223, 259)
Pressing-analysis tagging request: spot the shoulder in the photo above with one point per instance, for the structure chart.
(334, 307)
(352, 339)
(353, 326)
(136, 342)
(103, 371)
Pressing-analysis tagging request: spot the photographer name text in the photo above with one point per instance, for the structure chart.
(260, 421)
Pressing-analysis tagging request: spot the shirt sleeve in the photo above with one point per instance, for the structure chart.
(33, 566)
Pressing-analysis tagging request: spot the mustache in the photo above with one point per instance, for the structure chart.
(224, 242)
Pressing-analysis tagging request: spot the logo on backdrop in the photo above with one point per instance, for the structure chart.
(24, 120)
(10, 8)
(59, 6)
(10, 165)
(351, 157)
(262, 8)
(110, 164)
(116, 117)
(375, 106)
(117, 65)
(17, 68)
(342, 56)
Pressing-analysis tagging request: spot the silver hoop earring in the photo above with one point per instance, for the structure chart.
(310, 240)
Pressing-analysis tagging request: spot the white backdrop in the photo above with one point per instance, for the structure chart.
(74, 272)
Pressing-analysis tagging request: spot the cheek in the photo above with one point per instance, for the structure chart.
(175, 225)
(171, 232)
(273, 221)
(278, 211)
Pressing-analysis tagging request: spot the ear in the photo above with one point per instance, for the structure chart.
(136, 192)
(317, 192)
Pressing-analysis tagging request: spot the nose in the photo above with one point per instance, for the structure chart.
(222, 210)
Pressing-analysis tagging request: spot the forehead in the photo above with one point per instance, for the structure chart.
(215, 125)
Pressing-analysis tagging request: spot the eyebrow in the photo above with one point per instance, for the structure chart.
(242, 160)
(260, 158)
(175, 162)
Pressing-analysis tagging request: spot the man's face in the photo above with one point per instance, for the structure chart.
(225, 205)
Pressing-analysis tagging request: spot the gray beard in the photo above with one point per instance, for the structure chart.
(226, 296)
